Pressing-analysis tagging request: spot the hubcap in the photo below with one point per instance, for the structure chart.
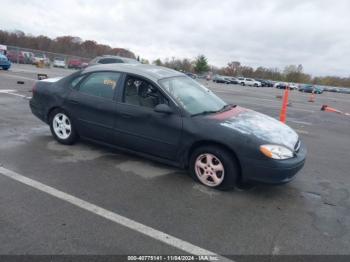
(62, 126)
(209, 170)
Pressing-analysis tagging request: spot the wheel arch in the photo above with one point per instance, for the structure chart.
(50, 111)
(201, 143)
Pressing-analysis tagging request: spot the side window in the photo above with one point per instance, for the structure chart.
(76, 81)
(100, 84)
(110, 61)
(141, 93)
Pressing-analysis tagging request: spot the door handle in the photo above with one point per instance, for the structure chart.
(75, 102)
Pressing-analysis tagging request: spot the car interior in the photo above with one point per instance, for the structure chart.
(142, 93)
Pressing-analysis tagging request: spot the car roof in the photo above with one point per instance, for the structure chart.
(152, 72)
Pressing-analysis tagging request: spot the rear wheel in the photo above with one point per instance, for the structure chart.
(62, 128)
(214, 167)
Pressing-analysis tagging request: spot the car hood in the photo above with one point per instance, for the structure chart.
(263, 127)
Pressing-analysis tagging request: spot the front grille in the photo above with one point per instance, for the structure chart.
(297, 146)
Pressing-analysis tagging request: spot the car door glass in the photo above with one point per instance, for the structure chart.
(100, 84)
(76, 81)
(141, 93)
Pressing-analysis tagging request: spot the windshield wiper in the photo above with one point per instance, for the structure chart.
(227, 107)
(223, 109)
(206, 113)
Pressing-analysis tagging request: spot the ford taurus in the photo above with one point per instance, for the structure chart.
(165, 115)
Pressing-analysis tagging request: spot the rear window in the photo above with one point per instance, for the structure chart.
(110, 61)
(101, 84)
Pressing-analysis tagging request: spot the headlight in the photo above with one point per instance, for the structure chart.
(276, 151)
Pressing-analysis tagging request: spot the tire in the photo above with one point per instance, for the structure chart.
(227, 167)
(64, 131)
(242, 84)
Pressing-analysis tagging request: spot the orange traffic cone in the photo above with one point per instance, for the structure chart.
(330, 109)
(283, 114)
(312, 97)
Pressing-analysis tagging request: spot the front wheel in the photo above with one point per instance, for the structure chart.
(214, 167)
(62, 128)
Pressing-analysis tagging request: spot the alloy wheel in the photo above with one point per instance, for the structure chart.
(209, 170)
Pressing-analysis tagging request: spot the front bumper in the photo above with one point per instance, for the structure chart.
(272, 171)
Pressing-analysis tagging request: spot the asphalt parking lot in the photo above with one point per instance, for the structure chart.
(310, 215)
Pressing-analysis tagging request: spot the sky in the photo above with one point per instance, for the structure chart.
(269, 33)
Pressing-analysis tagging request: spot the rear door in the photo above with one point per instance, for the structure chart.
(92, 104)
(139, 127)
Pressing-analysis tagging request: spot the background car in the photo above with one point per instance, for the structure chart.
(293, 86)
(310, 89)
(232, 80)
(5, 63)
(331, 89)
(221, 79)
(248, 82)
(28, 57)
(59, 62)
(265, 83)
(110, 59)
(75, 63)
(41, 58)
(16, 56)
(282, 85)
(344, 90)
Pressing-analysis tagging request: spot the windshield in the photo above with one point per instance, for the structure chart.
(191, 95)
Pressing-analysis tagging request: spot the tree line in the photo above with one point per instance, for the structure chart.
(71, 45)
(291, 73)
(68, 45)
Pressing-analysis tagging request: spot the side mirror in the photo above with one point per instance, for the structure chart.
(163, 108)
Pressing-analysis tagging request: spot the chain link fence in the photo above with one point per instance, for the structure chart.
(41, 58)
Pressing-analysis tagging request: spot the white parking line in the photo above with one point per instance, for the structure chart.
(13, 92)
(114, 217)
(7, 90)
(300, 122)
